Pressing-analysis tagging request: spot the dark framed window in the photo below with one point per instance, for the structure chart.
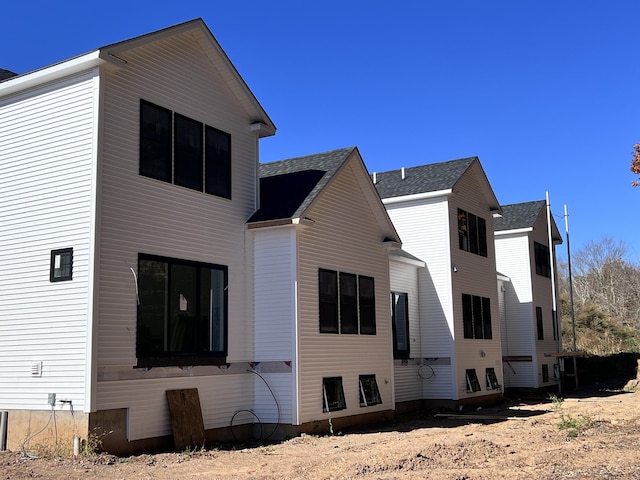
(369, 393)
(328, 295)
(346, 303)
(472, 233)
(539, 323)
(473, 385)
(332, 394)
(476, 317)
(400, 324)
(155, 142)
(545, 373)
(543, 261)
(182, 312)
(217, 166)
(367, 305)
(492, 380)
(61, 266)
(180, 150)
(188, 152)
(554, 322)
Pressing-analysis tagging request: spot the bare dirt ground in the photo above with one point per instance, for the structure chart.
(526, 443)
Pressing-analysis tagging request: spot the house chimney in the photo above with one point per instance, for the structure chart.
(402, 170)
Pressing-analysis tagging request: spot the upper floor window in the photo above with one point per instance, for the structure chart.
(61, 268)
(182, 312)
(400, 324)
(543, 261)
(177, 149)
(472, 233)
(476, 316)
(346, 303)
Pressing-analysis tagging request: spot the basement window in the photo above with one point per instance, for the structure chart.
(473, 385)
(332, 394)
(369, 393)
(492, 380)
(61, 268)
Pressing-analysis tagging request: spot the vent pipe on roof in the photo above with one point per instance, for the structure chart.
(402, 170)
(375, 179)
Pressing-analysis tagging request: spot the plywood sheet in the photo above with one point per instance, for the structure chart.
(186, 418)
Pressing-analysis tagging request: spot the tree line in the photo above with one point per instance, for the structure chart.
(606, 298)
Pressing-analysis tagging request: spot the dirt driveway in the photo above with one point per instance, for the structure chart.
(522, 439)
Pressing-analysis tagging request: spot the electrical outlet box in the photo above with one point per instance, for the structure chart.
(52, 399)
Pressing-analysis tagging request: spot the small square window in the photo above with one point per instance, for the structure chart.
(61, 265)
(492, 380)
(332, 394)
(473, 385)
(369, 393)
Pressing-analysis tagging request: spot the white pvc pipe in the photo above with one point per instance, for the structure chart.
(4, 417)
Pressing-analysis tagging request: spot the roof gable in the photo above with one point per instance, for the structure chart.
(424, 178)
(289, 188)
(114, 55)
(519, 216)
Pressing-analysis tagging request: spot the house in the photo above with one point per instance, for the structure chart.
(128, 174)
(139, 258)
(321, 292)
(525, 240)
(444, 213)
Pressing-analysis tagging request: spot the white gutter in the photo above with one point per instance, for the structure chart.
(417, 196)
(514, 231)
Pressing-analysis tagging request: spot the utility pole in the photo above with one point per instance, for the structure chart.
(573, 315)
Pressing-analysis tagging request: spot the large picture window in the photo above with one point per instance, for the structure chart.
(400, 324)
(177, 149)
(472, 233)
(182, 312)
(476, 317)
(346, 303)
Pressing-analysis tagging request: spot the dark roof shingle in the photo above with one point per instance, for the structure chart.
(288, 187)
(518, 215)
(6, 74)
(425, 178)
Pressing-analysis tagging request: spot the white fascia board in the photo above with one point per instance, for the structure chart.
(515, 231)
(51, 73)
(417, 196)
(503, 278)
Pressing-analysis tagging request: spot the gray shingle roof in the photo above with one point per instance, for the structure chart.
(5, 74)
(425, 178)
(518, 215)
(288, 187)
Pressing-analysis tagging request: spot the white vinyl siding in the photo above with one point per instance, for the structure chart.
(275, 317)
(47, 177)
(347, 240)
(143, 215)
(404, 278)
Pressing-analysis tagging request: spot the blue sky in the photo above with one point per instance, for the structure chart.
(544, 92)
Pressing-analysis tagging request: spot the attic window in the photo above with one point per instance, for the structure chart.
(61, 268)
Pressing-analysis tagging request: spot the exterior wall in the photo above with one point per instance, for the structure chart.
(422, 225)
(543, 297)
(408, 384)
(347, 240)
(143, 215)
(475, 275)
(275, 273)
(47, 182)
(513, 258)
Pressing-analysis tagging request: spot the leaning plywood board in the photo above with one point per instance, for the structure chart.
(186, 418)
